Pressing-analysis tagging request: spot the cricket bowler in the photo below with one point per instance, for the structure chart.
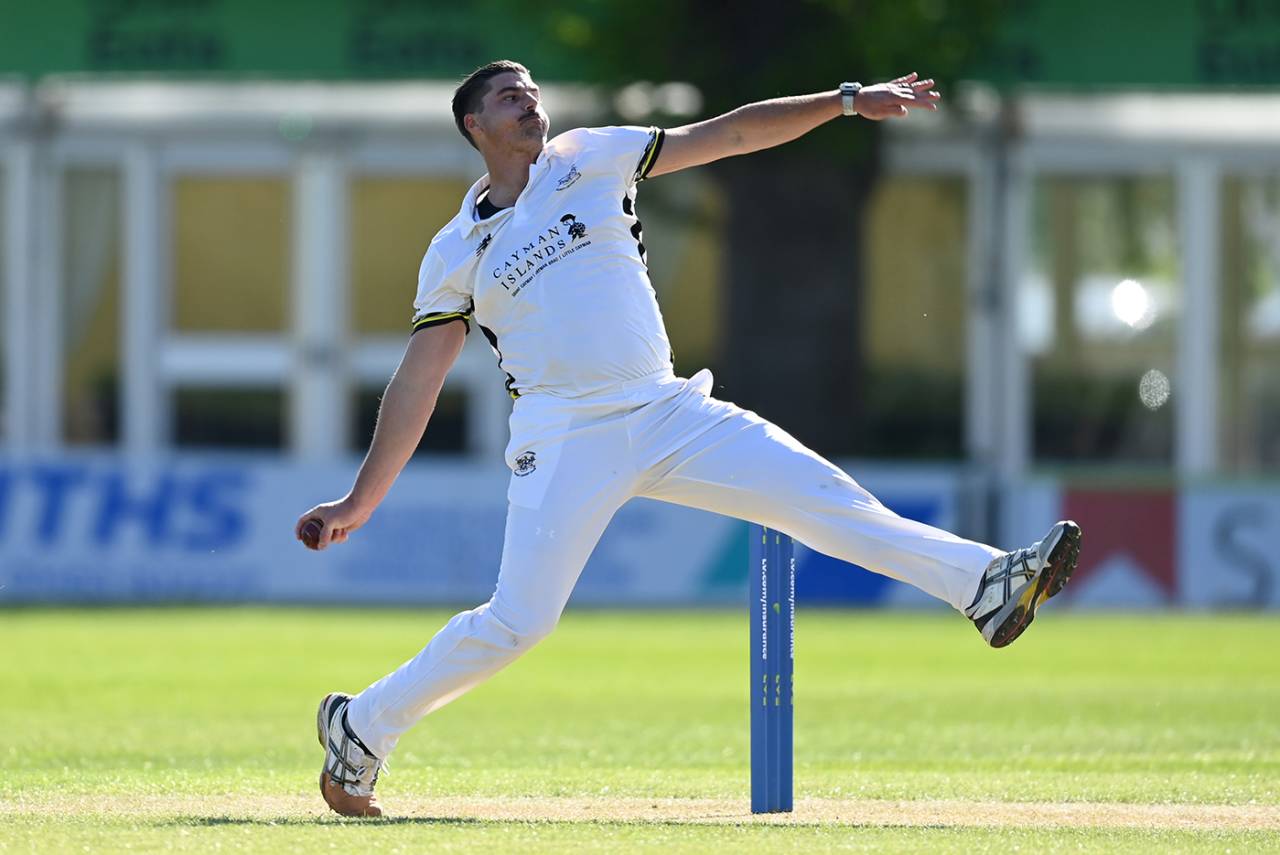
(547, 259)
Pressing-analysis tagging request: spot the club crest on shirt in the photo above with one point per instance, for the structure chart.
(525, 464)
(576, 229)
(569, 179)
(484, 244)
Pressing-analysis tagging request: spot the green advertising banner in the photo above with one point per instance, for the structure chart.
(1142, 43)
(1146, 43)
(271, 38)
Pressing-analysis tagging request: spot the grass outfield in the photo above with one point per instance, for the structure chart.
(192, 729)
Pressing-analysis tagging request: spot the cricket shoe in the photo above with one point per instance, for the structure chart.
(1017, 583)
(350, 770)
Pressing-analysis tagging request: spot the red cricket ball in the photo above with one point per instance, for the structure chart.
(311, 531)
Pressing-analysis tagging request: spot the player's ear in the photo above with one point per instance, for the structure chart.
(469, 122)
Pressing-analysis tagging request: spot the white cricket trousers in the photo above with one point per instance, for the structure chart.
(576, 461)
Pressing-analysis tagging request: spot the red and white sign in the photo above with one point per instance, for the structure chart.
(1205, 546)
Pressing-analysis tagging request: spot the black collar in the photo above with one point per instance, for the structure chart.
(484, 208)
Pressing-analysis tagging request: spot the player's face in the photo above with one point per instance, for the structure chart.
(512, 116)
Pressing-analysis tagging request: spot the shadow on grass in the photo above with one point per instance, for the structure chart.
(718, 820)
(296, 821)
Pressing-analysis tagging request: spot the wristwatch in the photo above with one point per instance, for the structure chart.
(848, 92)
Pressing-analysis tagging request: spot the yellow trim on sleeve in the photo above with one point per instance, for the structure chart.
(442, 317)
(650, 152)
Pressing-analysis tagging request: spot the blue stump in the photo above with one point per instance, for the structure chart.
(773, 628)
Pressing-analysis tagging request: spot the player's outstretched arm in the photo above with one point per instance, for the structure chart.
(765, 124)
(402, 417)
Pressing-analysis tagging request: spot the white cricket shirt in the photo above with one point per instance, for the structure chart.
(557, 282)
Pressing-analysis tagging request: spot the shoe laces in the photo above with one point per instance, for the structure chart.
(1005, 573)
(348, 764)
(1014, 564)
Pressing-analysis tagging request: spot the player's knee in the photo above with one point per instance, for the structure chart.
(526, 629)
(531, 632)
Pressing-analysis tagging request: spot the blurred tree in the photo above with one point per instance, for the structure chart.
(793, 351)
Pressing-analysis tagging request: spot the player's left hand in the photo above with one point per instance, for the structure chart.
(893, 99)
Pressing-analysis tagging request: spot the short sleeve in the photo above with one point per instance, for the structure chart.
(630, 151)
(440, 299)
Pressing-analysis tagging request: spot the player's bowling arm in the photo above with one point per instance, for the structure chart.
(405, 409)
(765, 124)
(402, 417)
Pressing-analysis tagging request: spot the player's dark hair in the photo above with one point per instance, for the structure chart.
(469, 96)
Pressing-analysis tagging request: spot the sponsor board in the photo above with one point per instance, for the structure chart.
(197, 528)
(194, 528)
(1205, 545)
(1227, 546)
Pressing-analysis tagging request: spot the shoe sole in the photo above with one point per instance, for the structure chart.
(1022, 608)
(367, 812)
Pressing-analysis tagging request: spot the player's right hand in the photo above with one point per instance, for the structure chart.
(337, 520)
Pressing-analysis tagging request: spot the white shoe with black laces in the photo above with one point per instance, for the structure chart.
(1017, 583)
(350, 770)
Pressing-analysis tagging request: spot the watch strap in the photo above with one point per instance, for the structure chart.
(848, 93)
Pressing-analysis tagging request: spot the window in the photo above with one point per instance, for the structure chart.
(4, 302)
(914, 319)
(1250, 297)
(232, 250)
(1097, 314)
(232, 242)
(392, 221)
(228, 417)
(684, 234)
(90, 304)
(446, 432)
